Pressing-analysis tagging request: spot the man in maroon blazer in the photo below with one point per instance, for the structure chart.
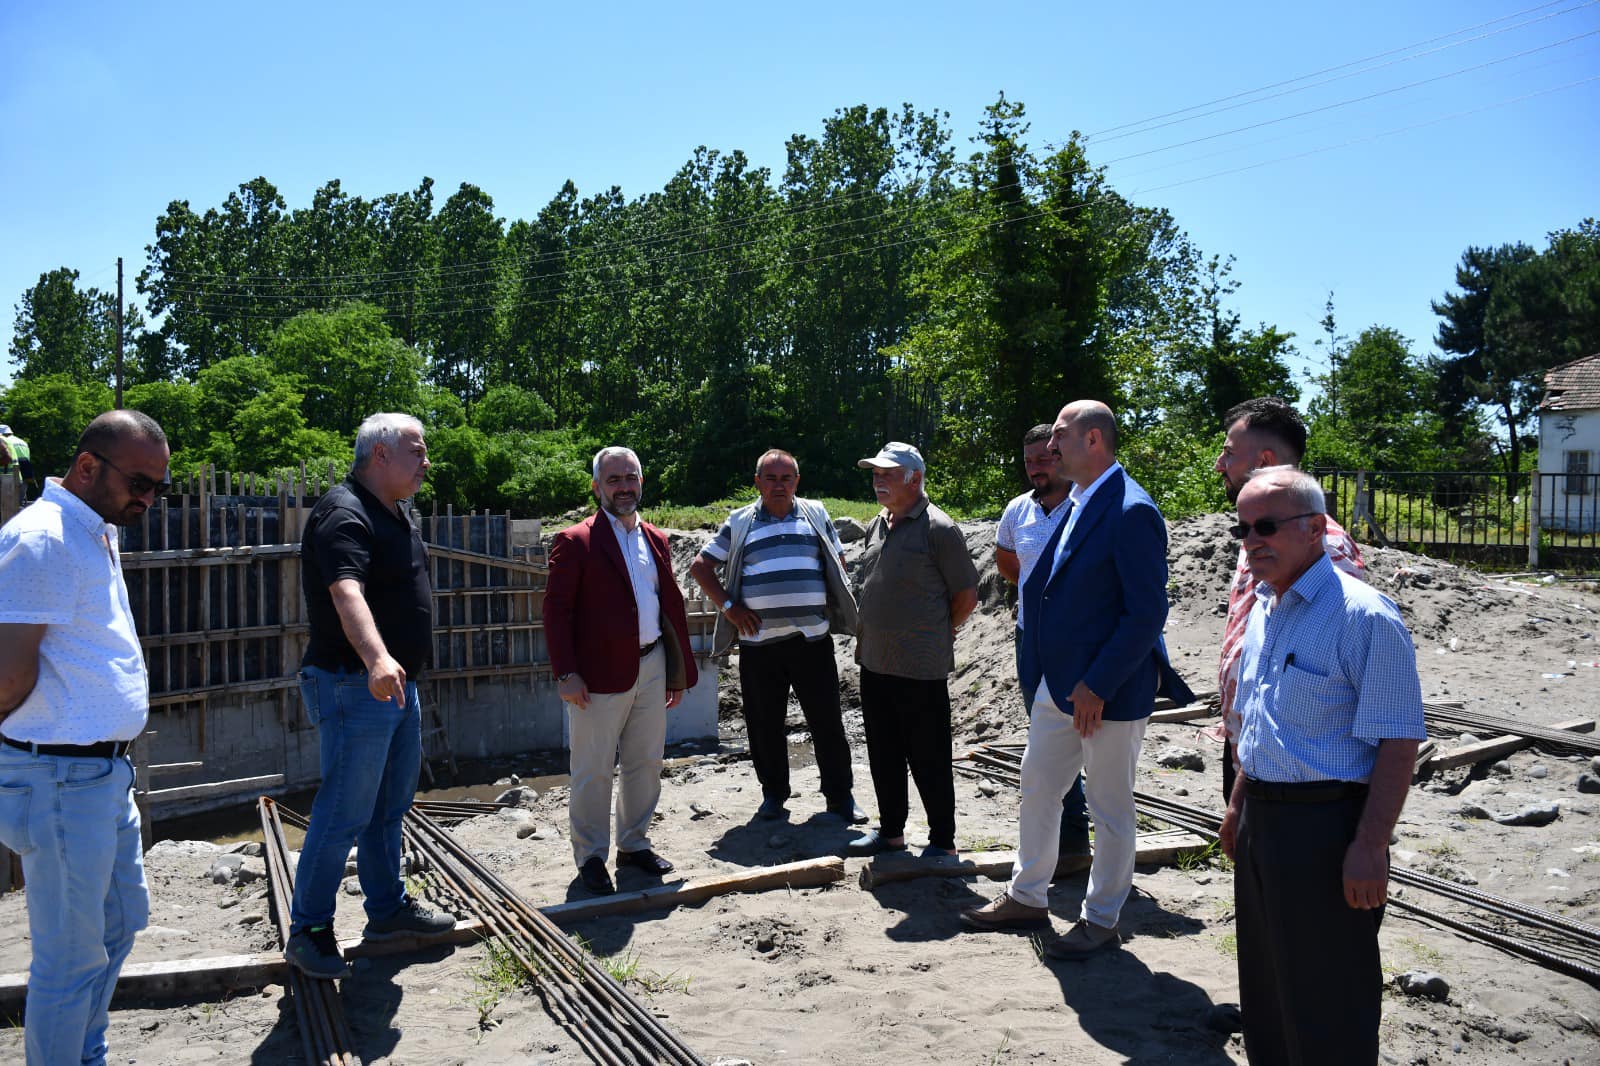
(618, 637)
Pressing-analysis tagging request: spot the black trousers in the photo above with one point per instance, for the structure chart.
(1227, 770)
(766, 674)
(1310, 983)
(908, 726)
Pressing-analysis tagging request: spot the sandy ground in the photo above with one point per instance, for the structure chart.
(841, 975)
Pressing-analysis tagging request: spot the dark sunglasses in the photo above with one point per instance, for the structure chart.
(138, 484)
(1265, 527)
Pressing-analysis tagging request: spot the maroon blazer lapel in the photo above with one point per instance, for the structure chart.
(603, 538)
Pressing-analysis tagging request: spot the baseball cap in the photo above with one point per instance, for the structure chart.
(5, 430)
(895, 453)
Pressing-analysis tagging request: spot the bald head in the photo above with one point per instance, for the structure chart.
(114, 428)
(1085, 437)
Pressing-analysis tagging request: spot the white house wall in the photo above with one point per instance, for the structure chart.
(1559, 433)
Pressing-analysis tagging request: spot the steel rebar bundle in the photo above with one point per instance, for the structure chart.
(1551, 741)
(324, 1034)
(612, 1027)
(1574, 944)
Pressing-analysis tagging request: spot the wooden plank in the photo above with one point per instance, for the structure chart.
(807, 873)
(1425, 753)
(215, 788)
(172, 767)
(1496, 747)
(1154, 849)
(1187, 714)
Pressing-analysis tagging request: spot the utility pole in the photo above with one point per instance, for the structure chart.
(119, 331)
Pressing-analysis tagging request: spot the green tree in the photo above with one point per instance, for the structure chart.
(61, 329)
(1385, 418)
(347, 364)
(512, 409)
(50, 412)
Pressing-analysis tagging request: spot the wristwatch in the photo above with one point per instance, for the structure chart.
(565, 677)
(725, 608)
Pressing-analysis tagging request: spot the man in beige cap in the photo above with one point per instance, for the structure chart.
(917, 585)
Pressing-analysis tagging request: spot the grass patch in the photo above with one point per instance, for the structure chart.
(1228, 944)
(624, 969)
(1442, 849)
(985, 843)
(496, 977)
(1204, 858)
(1005, 1046)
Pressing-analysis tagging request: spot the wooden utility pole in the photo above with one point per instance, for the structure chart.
(119, 331)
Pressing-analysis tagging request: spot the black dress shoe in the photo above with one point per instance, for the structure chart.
(646, 860)
(848, 810)
(595, 878)
(772, 809)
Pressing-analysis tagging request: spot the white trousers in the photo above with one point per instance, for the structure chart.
(629, 728)
(1054, 757)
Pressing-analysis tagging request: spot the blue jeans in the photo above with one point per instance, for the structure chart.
(82, 912)
(371, 755)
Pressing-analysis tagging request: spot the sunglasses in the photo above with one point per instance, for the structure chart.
(1265, 527)
(138, 484)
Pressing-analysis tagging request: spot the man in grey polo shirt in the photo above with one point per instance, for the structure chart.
(786, 591)
(73, 694)
(918, 585)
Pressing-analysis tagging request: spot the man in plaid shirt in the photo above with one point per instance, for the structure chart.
(1264, 431)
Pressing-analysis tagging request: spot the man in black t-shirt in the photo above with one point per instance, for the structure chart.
(365, 576)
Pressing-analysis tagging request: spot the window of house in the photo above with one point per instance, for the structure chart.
(1578, 480)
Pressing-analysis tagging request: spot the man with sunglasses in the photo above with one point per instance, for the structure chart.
(1330, 711)
(1264, 431)
(73, 695)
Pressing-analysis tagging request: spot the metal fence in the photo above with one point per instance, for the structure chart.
(1486, 517)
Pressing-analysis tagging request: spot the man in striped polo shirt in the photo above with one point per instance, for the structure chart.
(785, 594)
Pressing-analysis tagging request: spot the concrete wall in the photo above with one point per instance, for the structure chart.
(263, 733)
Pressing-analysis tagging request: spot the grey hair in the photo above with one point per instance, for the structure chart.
(610, 453)
(777, 453)
(1304, 491)
(384, 429)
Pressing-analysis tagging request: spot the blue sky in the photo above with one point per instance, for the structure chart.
(108, 111)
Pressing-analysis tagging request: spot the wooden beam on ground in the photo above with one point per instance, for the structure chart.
(1187, 714)
(807, 873)
(1496, 747)
(1154, 849)
(215, 788)
(1424, 761)
(1165, 703)
(215, 976)
(172, 767)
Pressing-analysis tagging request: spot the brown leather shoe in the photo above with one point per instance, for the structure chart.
(1004, 913)
(1084, 938)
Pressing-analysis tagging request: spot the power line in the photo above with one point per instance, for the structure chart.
(1329, 81)
(935, 234)
(845, 199)
(1327, 70)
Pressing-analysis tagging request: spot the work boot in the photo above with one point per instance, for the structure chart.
(315, 953)
(412, 919)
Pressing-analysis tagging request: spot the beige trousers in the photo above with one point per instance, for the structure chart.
(618, 728)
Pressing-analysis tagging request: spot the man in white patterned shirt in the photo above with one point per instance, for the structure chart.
(786, 593)
(1264, 431)
(73, 695)
(1330, 713)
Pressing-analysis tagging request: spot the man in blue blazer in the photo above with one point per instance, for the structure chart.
(1091, 664)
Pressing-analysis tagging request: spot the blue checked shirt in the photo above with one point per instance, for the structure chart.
(1328, 671)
